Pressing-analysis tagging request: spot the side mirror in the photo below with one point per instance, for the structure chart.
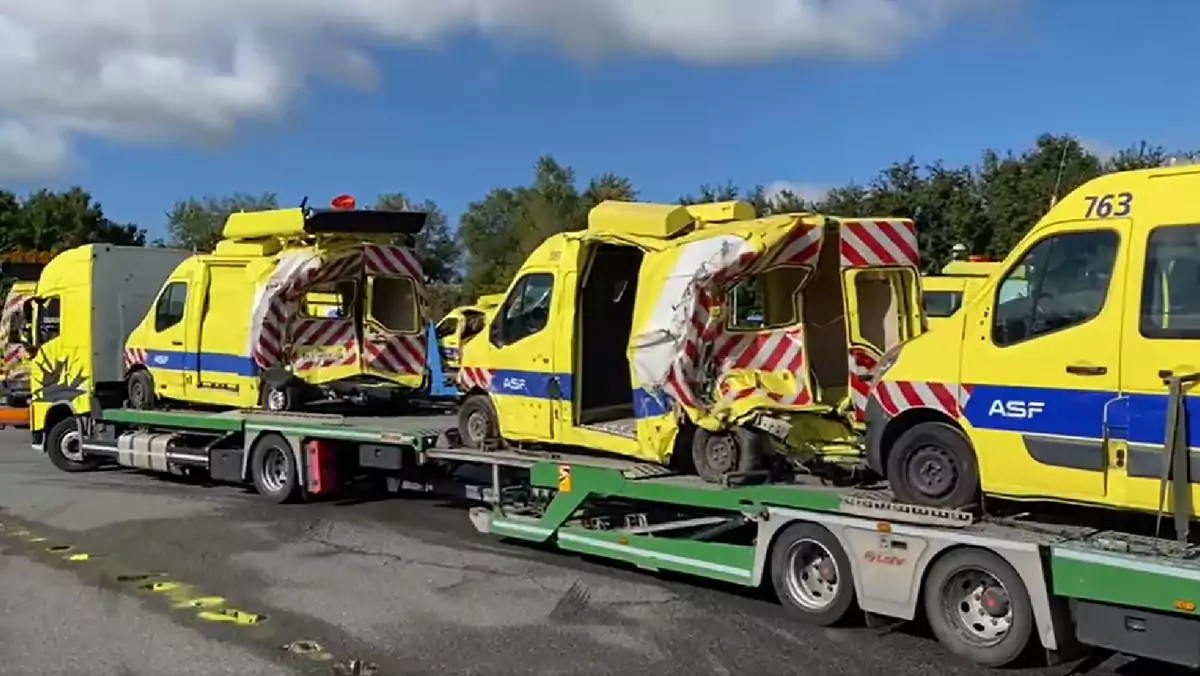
(496, 330)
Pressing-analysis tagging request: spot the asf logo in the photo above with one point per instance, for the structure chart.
(1016, 408)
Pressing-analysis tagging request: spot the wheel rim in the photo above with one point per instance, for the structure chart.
(812, 576)
(978, 606)
(274, 470)
(932, 471)
(137, 393)
(720, 453)
(69, 446)
(477, 426)
(276, 400)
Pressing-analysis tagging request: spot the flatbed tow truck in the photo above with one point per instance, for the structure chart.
(991, 589)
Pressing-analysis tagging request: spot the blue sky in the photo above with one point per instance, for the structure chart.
(451, 121)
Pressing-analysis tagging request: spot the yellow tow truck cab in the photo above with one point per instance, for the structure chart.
(943, 294)
(234, 328)
(658, 320)
(87, 302)
(1052, 382)
(462, 322)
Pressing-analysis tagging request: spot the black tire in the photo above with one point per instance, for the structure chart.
(934, 464)
(15, 401)
(477, 421)
(279, 395)
(140, 390)
(737, 450)
(273, 469)
(62, 435)
(949, 578)
(821, 593)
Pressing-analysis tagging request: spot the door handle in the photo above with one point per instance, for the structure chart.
(177, 342)
(1081, 370)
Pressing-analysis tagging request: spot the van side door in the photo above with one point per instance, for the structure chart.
(167, 356)
(1041, 360)
(1162, 337)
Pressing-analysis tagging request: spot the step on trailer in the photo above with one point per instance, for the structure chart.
(989, 589)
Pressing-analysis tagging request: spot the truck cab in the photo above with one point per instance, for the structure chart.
(293, 305)
(21, 269)
(1052, 382)
(697, 333)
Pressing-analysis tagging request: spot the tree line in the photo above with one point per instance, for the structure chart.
(987, 206)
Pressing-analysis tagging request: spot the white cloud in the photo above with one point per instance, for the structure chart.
(191, 70)
(810, 192)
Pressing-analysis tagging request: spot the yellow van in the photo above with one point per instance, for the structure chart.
(232, 328)
(1052, 382)
(463, 322)
(14, 369)
(943, 294)
(663, 320)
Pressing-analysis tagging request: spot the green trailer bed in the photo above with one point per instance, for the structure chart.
(824, 549)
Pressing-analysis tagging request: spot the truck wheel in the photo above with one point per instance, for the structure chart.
(933, 464)
(140, 387)
(978, 607)
(63, 445)
(716, 454)
(273, 468)
(477, 421)
(811, 574)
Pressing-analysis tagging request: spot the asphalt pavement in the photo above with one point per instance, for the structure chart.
(128, 574)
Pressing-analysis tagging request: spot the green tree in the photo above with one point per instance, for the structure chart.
(436, 246)
(54, 221)
(501, 230)
(196, 223)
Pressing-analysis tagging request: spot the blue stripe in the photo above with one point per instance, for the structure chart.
(536, 385)
(1136, 418)
(211, 362)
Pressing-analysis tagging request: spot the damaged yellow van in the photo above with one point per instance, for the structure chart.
(232, 328)
(694, 334)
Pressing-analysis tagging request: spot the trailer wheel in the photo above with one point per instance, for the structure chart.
(273, 468)
(278, 396)
(978, 607)
(934, 464)
(716, 454)
(811, 574)
(64, 446)
(477, 421)
(140, 388)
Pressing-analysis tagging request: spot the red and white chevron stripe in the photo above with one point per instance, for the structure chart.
(862, 361)
(898, 396)
(389, 260)
(876, 242)
(473, 377)
(14, 353)
(392, 354)
(312, 332)
(134, 356)
(779, 351)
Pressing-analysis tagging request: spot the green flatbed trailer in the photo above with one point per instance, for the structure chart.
(990, 589)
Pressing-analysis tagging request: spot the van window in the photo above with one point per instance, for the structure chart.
(1060, 282)
(1170, 306)
(333, 300)
(168, 311)
(49, 319)
(940, 304)
(527, 309)
(394, 304)
(447, 327)
(767, 301)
